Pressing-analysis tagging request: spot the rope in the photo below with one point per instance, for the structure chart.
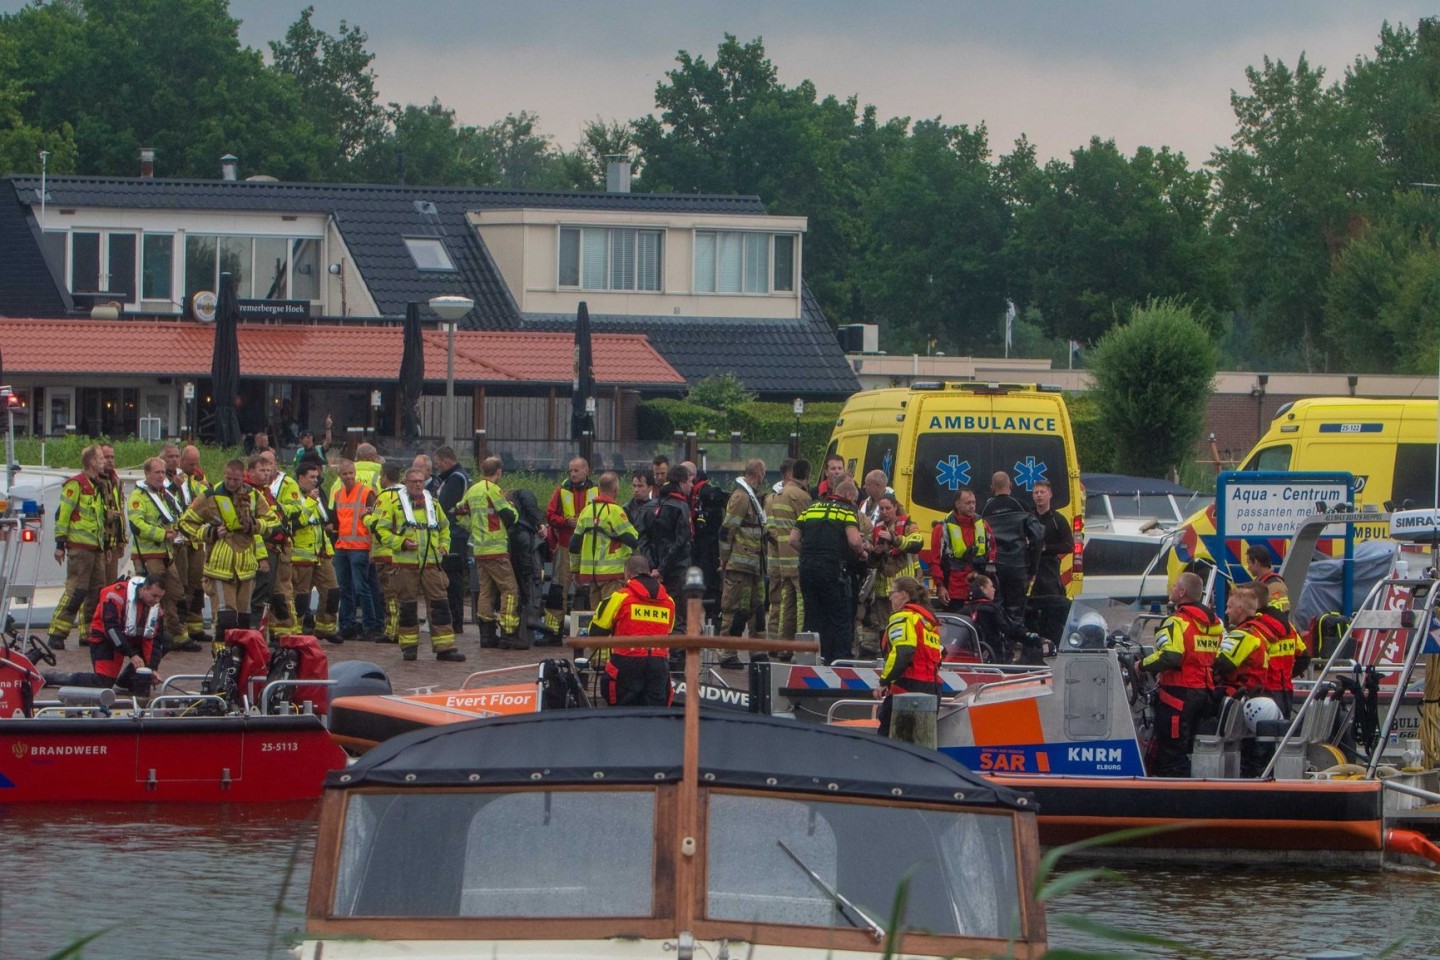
(1430, 715)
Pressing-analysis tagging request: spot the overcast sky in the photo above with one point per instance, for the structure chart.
(1151, 72)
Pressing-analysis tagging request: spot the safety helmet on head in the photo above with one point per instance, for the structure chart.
(1260, 709)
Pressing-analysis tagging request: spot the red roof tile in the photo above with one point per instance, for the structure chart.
(318, 352)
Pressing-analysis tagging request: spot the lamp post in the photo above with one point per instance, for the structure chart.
(450, 309)
(799, 407)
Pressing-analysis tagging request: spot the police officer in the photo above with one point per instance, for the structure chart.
(603, 539)
(1184, 657)
(636, 676)
(415, 530)
(828, 536)
(911, 648)
(80, 545)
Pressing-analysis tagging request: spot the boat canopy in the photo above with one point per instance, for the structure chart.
(638, 745)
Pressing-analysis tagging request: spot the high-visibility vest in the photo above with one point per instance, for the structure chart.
(380, 551)
(152, 514)
(633, 611)
(350, 508)
(565, 505)
(431, 532)
(487, 508)
(1244, 649)
(1194, 633)
(80, 518)
(913, 626)
(957, 545)
(309, 542)
(602, 555)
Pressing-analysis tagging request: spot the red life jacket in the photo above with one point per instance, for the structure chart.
(112, 601)
(643, 614)
(1201, 632)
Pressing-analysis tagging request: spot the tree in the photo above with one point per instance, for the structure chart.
(167, 74)
(1398, 96)
(934, 233)
(1301, 173)
(426, 146)
(336, 84)
(21, 142)
(1153, 375)
(1102, 233)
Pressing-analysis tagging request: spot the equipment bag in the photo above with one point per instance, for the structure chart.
(305, 660)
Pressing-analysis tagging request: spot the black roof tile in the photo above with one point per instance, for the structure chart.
(771, 356)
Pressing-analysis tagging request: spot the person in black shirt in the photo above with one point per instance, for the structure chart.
(451, 483)
(1049, 607)
(642, 495)
(1015, 532)
(666, 538)
(828, 537)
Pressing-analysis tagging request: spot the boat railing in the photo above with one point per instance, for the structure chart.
(280, 708)
(868, 713)
(171, 704)
(174, 679)
(479, 674)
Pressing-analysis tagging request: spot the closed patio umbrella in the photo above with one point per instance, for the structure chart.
(412, 373)
(582, 421)
(225, 364)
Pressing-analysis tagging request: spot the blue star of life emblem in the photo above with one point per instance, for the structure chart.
(953, 472)
(1028, 473)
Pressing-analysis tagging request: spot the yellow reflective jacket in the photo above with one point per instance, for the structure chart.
(488, 517)
(235, 526)
(309, 542)
(152, 514)
(80, 518)
(604, 539)
(423, 523)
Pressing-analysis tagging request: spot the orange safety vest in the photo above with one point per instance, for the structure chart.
(350, 509)
(1199, 640)
(632, 611)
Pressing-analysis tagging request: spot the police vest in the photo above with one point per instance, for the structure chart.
(1194, 633)
(913, 626)
(632, 611)
(350, 516)
(602, 555)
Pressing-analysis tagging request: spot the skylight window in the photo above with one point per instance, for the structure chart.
(429, 253)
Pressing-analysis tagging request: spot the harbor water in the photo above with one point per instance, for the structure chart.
(179, 883)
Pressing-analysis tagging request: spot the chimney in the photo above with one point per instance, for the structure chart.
(229, 167)
(617, 173)
(147, 162)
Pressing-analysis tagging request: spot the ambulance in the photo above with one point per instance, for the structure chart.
(1389, 446)
(933, 438)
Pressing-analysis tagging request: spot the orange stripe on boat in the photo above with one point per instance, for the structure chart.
(1007, 722)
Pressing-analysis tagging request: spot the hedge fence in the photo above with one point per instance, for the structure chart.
(757, 422)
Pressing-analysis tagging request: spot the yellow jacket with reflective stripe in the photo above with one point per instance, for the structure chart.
(602, 555)
(80, 518)
(380, 551)
(486, 518)
(235, 527)
(781, 510)
(391, 529)
(148, 523)
(308, 541)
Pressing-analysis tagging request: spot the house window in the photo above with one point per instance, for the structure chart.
(103, 262)
(429, 253)
(157, 261)
(264, 268)
(610, 258)
(737, 262)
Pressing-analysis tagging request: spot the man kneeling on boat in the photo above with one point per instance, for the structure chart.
(125, 636)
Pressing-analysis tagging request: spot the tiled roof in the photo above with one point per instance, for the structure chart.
(773, 357)
(319, 352)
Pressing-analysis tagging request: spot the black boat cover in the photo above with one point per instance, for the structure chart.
(639, 745)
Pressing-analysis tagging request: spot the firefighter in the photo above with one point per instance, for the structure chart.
(1185, 647)
(283, 498)
(959, 546)
(417, 534)
(911, 648)
(636, 676)
(489, 515)
(80, 545)
(381, 570)
(233, 520)
(154, 520)
(187, 482)
(603, 540)
(112, 492)
(783, 560)
(742, 559)
(893, 549)
(566, 504)
(310, 558)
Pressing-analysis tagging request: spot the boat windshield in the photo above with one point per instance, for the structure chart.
(497, 855)
(783, 860)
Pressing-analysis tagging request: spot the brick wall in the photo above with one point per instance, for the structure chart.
(1238, 421)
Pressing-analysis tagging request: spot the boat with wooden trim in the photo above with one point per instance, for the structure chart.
(723, 835)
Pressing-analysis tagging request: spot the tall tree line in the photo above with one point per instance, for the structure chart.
(1307, 242)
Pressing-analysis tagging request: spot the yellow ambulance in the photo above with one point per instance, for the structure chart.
(1389, 445)
(933, 438)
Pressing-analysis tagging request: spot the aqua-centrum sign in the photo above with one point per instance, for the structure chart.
(1275, 509)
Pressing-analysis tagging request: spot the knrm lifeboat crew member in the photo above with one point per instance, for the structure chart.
(636, 676)
(911, 648)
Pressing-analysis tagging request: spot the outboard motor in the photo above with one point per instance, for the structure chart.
(359, 678)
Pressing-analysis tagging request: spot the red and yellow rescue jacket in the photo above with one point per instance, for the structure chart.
(1185, 648)
(641, 608)
(912, 651)
(1241, 662)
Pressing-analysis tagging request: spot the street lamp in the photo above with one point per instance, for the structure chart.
(799, 407)
(450, 309)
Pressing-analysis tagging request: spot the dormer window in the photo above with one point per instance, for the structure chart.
(429, 254)
(610, 258)
(733, 261)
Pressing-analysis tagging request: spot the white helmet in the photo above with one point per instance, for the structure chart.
(1260, 709)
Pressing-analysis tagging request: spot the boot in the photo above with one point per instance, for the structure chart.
(489, 637)
(450, 655)
(56, 642)
(513, 641)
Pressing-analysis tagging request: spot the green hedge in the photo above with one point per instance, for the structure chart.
(64, 453)
(757, 421)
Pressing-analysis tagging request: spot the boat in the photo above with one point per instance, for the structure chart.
(726, 834)
(1130, 523)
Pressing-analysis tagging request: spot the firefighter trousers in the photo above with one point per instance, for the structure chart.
(84, 579)
(411, 583)
(319, 577)
(497, 582)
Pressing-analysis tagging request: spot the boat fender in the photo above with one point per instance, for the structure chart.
(1385, 772)
(1412, 843)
